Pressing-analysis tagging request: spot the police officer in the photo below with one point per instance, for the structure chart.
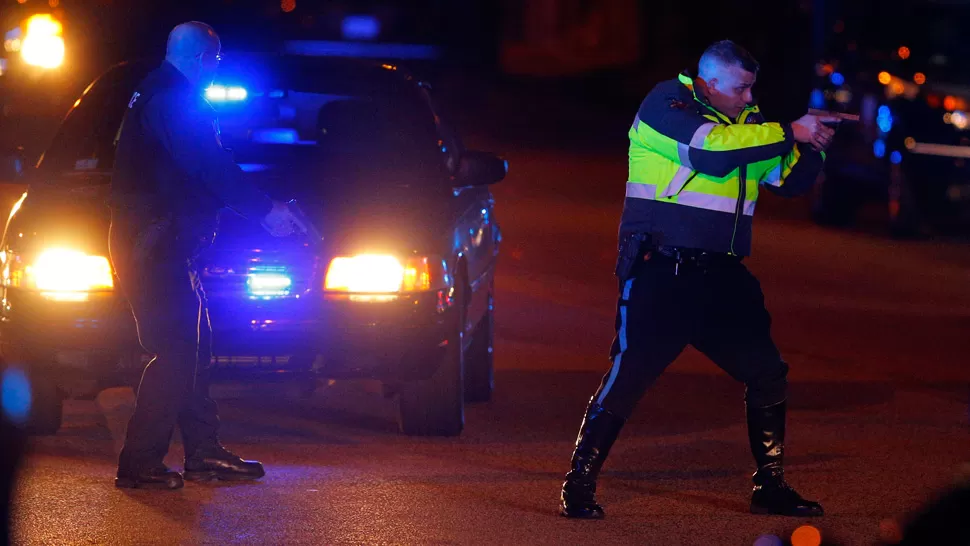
(171, 178)
(699, 150)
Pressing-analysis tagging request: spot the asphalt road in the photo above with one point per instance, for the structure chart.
(875, 331)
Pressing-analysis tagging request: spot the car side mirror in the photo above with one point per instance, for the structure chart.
(481, 168)
(12, 164)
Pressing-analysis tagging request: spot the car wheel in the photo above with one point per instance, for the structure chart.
(46, 406)
(436, 406)
(832, 202)
(903, 216)
(479, 359)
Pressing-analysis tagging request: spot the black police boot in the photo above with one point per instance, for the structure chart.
(597, 434)
(218, 463)
(772, 495)
(158, 477)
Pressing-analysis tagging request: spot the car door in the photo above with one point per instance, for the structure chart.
(475, 233)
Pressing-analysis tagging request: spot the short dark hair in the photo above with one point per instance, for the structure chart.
(728, 53)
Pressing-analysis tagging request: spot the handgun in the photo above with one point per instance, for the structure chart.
(842, 117)
(311, 230)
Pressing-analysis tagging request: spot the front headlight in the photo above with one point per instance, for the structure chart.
(61, 274)
(377, 274)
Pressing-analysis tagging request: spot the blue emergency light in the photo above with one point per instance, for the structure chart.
(268, 282)
(222, 93)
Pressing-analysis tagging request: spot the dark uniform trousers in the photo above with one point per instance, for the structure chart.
(714, 304)
(169, 306)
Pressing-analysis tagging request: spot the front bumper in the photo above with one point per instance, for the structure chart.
(387, 340)
(336, 338)
(74, 342)
(43, 327)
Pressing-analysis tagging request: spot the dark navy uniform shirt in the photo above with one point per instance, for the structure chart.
(170, 164)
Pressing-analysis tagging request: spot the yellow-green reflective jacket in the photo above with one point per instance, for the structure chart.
(695, 173)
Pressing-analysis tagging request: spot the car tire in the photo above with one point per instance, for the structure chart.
(903, 213)
(46, 407)
(436, 406)
(479, 359)
(832, 202)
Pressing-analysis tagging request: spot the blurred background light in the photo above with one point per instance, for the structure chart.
(768, 540)
(960, 120)
(806, 535)
(43, 45)
(15, 398)
(879, 148)
(884, 120)
(817, 99)
(360, 27)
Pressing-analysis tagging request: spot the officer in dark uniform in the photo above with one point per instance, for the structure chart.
(171, 178)
(699, 150)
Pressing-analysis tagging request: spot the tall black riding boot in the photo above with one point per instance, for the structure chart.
(597, 434)
(772, 495)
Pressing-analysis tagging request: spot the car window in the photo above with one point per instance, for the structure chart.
(86, 139)
(300, 129)
(331, 141)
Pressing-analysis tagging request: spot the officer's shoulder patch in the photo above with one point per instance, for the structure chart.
(677, 104)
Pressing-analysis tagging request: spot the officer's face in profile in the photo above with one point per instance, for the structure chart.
(730, 91)
(209, 64)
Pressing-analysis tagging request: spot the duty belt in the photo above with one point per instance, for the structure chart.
(693, 256)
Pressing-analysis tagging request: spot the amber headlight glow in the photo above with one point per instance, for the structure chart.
(377, 274)
(43, 45)
(61, 274)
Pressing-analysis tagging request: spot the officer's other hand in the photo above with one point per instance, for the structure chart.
(810, 129)
(280, 222)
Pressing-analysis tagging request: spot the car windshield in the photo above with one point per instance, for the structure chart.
(295, 125)
(298, 128)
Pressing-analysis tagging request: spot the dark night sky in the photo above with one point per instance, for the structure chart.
(674, 32)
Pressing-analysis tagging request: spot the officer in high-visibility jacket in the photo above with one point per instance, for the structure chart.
(699, 150)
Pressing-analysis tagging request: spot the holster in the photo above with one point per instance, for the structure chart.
(630, 251)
